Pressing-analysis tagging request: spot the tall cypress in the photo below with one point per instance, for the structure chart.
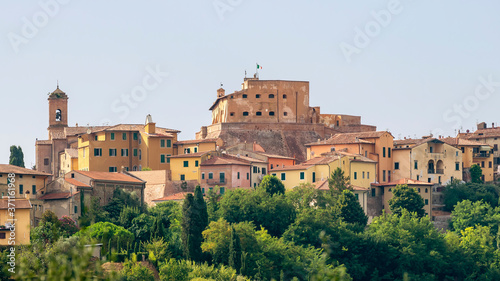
(235, 251)
(194, 221)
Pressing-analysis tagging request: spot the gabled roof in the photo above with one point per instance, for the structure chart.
(221, 160)
(20, 203)
(107, 176)
(58, 195)
(323, 185)
(403, 181)
(6, 169)
(462, 142)
(76, 183)
(273, 155)
(72, 152)
(189, 155)
(58, 94)
(196, 141)
(176, 196)
(485, 133)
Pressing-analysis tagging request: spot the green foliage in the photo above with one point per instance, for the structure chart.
(68, 226)
(49, 216)
(476, 173)
(146, 169)
(45, 233)
(469, 214)
(213, 204)
(272, 185)
(272, 212)
(406, 198)
(306, 196)
(349, 209)
(235, 251)
(112, 236)
(338, 182)
(181, 270)
(93, 213)
(309, 225)
(127, 215)
(135, 271)
(456, 192)
(159, 248)
(194, 221)
(16, 157)
(122, 199)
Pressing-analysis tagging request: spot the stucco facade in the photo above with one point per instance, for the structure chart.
(17, 228)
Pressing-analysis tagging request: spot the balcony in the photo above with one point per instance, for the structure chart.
(437, 171)
(482, 154)
(435, 155)
(216, 181)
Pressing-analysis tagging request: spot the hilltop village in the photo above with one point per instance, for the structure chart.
(266, 128)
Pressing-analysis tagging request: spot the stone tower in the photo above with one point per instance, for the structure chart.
(58, 113)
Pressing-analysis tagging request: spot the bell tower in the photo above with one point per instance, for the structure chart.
(58, 111)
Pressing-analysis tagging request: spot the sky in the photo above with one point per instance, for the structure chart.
(410, 67)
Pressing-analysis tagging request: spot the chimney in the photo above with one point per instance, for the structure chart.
(492, 125)
(150, 127)
(221, 92)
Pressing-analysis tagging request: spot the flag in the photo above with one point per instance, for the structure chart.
(259, 67)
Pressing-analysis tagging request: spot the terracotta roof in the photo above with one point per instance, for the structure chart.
(246, 158)
(72, 152)
(58, 135)
(403, 181)
(291, 168)
(274, 155)
(462, 142)
(359, 188)
(42, 142)
(197, 154)
(322, 185)
(57, 94)
(151, 177)
(6, 168)
(57, 195)
(19, 203)
(107, 176)
(486, 133)
(73, 131)
(349, 138)
(195, 141)
(224, 161)
(76, 183)
(415, 142)
(176, 196)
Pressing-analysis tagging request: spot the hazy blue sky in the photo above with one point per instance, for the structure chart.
(423, 66)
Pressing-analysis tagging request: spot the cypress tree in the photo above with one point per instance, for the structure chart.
(235, 251)
(194, 221)
(16, 156)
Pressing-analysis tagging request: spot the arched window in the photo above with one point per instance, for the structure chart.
(271, 96)
(245, 113)
(284, 96)
(271, 113)
(258, 113)
(58, 115)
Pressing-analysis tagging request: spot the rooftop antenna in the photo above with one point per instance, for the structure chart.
(245, 73)
(221, 84)
(58, 84)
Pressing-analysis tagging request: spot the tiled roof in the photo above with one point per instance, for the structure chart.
(462, 142)
(57, 195)
(224, 161)
(72, 152)
(76, 183)
(403, 181)
(274, 155)
(151, 177)
(189, 155)
(6, 168)
(349, 138)
(176, 196)
(73, 131)
(291, 168)
(246, 158)
(322, 185)
(19, 204)
(196, 141)
(486, 133)
(107, 176)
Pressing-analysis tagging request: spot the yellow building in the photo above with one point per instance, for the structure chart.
(376, 146)
(127, 147)
(186, 167)
(15, 230)
(69, 161)
(428, 159)
(423, 188)
(474, 152)
(486, 136)
(26, 181)
(360, 170)
(195, 146)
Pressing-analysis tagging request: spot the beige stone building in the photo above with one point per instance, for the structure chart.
(428, 159)
(488, 136)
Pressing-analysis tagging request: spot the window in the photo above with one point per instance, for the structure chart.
(113, 169)
(2, 235)
(186, 163)
(231, 114)
(21, 176)
(46, 160)
(285, 113)
(112, 136)
(257, 96)
(418, 177)
(183, 177)
(136, 137)
(168, 158)
(162, 158)
(162, 143)
(457, 166)
(495, 147)
(383, 175)
(95, 138)
(426, 201)
(248, 176)
(416, 165)
(238, 176)
(222, 177)
(357, 196)
(140, 154)
(456, 153)
(221, 190)
(284, 96)
(355, 175)
(426, 190)
(431, 150)
(72, 175)
(489, 164)
(210, 176)
(429, 180)
(135, 152)
(169, 143)
(302, 175)
(258, 113)
(195, 149)
(482, 164)
(97, 151)
(196, 163)
(244, 96)
(112, 152)
(363, 174)
(374, 193)
(202, 176)
(125, 152)
(389, 152)
(383, 151)
(76, 209)
(203, 189)
(367, 175)
(21, 189)
(254, 170)
(271, 113)
(419, 190)
(283, 176)
(124, 136)
(263, 171)
(33, 189)
(245, 113)
(271, 96)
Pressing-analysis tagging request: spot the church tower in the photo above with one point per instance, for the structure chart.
(58, 113)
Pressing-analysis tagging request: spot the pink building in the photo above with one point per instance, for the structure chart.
(226, 172)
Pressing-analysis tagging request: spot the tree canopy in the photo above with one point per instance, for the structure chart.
(16, 156)
(407, 198)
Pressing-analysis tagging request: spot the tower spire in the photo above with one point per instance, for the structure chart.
(58, 84)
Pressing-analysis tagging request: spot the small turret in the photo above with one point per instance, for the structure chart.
(221, 92)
